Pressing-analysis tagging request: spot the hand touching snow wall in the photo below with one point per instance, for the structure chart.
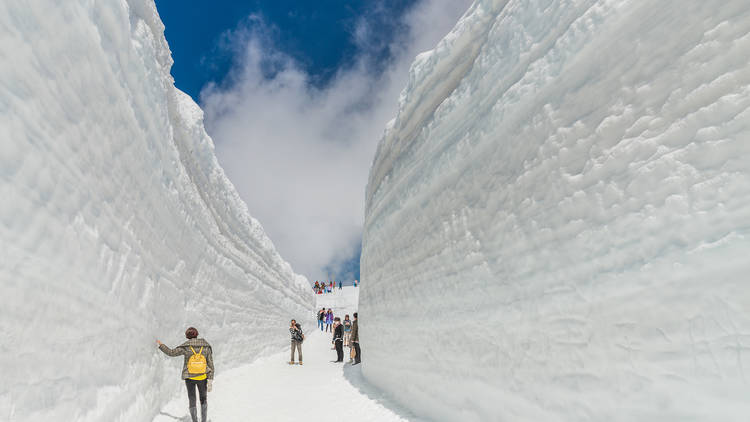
(117, 225)
(558, 219)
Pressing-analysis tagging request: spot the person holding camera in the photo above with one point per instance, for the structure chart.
(197, 370)
(297, 338)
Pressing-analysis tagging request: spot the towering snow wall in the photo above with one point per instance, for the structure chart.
(558, 219)
(117, 225)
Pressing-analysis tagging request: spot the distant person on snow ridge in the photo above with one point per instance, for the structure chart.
(321, 318)
(355, 283)
(197, 370)
(341, 285)
(329, 321)
(355, 341)
(338, 339)
(297, 338)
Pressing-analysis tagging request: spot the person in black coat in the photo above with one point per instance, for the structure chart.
(338, 339)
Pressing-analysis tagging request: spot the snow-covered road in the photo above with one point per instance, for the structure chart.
(272, 390)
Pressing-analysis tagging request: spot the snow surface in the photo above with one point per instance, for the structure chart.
(272, 390)
(341, 302)
(558, 219)
(117, 225)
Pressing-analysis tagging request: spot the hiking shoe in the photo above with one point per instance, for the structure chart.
(291, 363)
(300, 362)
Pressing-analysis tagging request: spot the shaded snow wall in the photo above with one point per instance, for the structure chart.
(117, 224)
(558, 219)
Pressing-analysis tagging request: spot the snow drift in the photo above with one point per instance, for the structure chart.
(558, 219)
(117, 224)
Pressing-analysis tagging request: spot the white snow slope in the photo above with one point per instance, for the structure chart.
(117, 225)
(558, 220)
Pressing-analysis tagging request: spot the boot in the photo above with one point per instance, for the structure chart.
(194, 414)
(204, 412)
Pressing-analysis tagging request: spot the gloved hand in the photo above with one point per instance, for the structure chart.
(209, 385)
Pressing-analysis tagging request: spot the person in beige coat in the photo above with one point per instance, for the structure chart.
(197, 353)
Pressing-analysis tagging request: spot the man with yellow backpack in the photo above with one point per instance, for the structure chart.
(197, 371)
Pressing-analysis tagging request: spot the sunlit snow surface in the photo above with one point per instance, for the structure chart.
(558, 220)
(117, 225)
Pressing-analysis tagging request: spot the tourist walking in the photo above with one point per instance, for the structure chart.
(355, 341)
(297, 338)
(338, 339)
(341, 284)
(321, 318)
(197, 369)
(329, 321)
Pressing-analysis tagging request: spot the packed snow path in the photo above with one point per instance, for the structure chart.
(272, 390)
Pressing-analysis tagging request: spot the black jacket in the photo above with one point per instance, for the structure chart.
(338, 333)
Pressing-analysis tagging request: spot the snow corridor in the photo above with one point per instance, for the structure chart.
(270, 389)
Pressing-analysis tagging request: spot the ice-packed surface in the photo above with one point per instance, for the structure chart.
(558, 219)
(117, 225)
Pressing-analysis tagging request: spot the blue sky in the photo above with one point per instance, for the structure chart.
(296, 95)
(317, 34)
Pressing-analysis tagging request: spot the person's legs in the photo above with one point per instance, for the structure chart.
(299, 351)
(203, 394)
(339, 352)
(358, 356)
(190, 384)
(291, 359)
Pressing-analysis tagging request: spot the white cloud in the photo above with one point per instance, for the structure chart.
(299, 155)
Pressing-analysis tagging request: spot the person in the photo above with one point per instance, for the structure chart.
(317, 286)
(329, 320)
(321, 318)
(348, 336)
(197, 370)
(338, 339)
(355, 283)
(340, 284)
(355, 341)
(297, 338)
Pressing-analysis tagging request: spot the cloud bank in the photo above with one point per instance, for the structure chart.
(298, 154)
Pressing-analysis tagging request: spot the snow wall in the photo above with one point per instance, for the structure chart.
(558, 219)
(117, 225)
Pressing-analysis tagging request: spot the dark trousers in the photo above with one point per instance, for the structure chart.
(339, 351)
(202, 385)
(357, 358)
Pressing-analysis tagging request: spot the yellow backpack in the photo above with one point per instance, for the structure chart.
(197, 363)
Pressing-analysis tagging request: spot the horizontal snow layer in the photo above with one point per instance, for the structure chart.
(558, 220)
(117, 225)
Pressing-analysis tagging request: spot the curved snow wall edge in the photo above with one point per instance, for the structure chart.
(560, 230)
(117, 224)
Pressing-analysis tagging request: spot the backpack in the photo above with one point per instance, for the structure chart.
(298, 336)
(197, 362)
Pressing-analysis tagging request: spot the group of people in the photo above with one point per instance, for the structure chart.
(346, 334)
(322, 287)
(198, 363)
(325, 319)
